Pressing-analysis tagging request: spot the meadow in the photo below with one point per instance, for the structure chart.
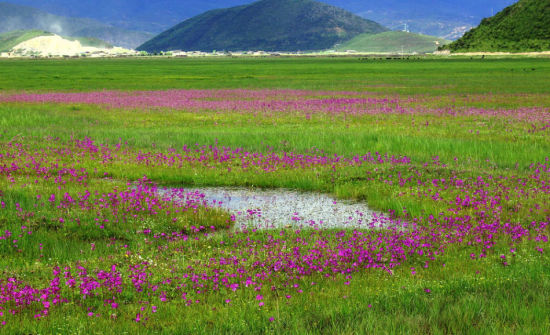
(454, 152)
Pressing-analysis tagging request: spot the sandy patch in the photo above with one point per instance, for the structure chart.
(58, 46)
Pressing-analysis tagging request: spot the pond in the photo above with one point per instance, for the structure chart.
(277, 208)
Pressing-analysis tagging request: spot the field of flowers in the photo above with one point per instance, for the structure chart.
(103, 231)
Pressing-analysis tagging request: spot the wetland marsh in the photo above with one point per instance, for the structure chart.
(453, 153)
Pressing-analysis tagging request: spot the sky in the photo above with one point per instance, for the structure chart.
(158, 15)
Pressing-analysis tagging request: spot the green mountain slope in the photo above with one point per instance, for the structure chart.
(282, 25)
(393, 42)
(16, 17)
(524, 26)
(13, 38)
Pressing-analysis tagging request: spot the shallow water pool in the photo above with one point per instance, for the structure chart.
(256, 208)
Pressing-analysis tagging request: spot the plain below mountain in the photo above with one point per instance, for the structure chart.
(393, 42)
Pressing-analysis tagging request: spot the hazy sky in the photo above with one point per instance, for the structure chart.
(158, 15)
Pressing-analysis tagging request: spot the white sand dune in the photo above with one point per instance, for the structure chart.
(56, 45)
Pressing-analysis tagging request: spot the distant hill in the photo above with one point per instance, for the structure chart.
(271, 25)
(524, 26)
(393, 42)
(13, 38)
(444, 18)
(448, 19)
(16, 17)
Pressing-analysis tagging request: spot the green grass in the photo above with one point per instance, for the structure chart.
(465, 296)
(409, 77)
(473, 140)
(396, 42)
(478, 138)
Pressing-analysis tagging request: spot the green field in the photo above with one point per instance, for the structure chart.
(413, 76)
(396, 42)
(470, 146)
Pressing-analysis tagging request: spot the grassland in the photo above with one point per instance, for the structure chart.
(393, 42)
(474, 134)
(411, 77)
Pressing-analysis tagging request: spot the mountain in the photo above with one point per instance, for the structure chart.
(524, 26)
(270, 25)
(17, 17)
(444, 18)
(393, 42)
